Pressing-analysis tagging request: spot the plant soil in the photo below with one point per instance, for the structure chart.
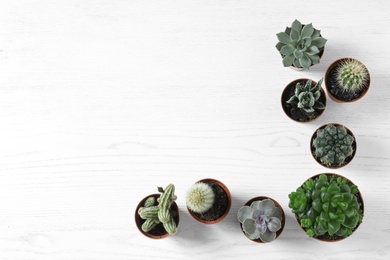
(296, 113)
(335, 89)
(220, 206)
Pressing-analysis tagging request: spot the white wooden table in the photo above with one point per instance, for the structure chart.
(103, 101)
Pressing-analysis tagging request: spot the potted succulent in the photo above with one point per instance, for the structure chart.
(261, 219)
(328, 207)
(301, 46)
(303, 100)
(347, 80)
(157, 215)
(208, 201)
(333, 145)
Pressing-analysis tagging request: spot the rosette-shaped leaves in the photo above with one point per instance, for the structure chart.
(261, 220)
(307, 96)
(333, 145)
(332, 207)
(300, 45)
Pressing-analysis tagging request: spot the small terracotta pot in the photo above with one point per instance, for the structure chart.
(348, 160)
(249, 202)
(332, 86)
(334, 238)
(288, 92)
(158, 232)
(198, 216)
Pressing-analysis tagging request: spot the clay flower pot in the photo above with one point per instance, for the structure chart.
(322, 160)
(299, 114)
(283, 221)
(326, 237)
(220, 206)
(342, 92)
(159, 231)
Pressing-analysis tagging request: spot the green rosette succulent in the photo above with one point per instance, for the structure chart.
(261, 220)
(300, 45)
(332, 145)
(307, 96)
(330, 207)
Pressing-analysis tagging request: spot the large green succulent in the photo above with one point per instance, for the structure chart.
(332, 145)
(300, 45)
(261, 220)
(327, 204)
(307, 97)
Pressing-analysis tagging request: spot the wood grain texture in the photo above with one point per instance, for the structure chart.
(103, 101)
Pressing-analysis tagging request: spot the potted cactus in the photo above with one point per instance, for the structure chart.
(347, 80)
(208, 201)
(301, 46)
(303, 100)
(157, 215)
(328, 207)
(333, 145)
(261, 219)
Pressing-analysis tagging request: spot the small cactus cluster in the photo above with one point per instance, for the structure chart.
(161, 213)
(200, 197)
(327, 204)
(332, 145)
(300, 45)
(261, 220)
(307, 97)
(352, 76)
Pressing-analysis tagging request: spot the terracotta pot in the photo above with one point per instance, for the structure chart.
(334, 238)
(332, 86)
(158, 232)
(347, 161)
(202, 217)
(288, 92)
(249, 202)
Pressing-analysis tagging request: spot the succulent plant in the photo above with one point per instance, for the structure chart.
(300, 45)
(327, 204)
(352, 76)
(161, 213)
(307, 97)
(261, 220)
(200, 197)
(332, 145)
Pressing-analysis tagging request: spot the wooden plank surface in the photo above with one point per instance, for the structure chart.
(103, 101)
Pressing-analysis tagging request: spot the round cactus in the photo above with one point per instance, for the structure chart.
(332, 145)
(352, 76)
(200, 197)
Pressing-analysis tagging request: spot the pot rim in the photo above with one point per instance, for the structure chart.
(229, 198)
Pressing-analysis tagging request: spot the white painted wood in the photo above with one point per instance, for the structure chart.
(102, 101)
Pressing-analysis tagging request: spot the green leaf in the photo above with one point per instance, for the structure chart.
(307, 30)
(279, 45)
(288, 60)
(293, 100)
(296, 25)
(316, 34)
(287, 50)
(315, 59)
(319, 42)
(305, 61)
(307, 41)
(310, 232)
(333, 227)
(283, 37)
(306, 223)
(325, 206)
(243, 213)
(317, 205)
(325, 196)
(319, 106)
(313, 50)
(342, 231)
(294, 35)
(298, 54)
(351, 222)
(249, 226)
(343, 205)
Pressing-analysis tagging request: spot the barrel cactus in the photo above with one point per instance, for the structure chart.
(307, 96)
(261, 220)
(327, 205)
(300, 45)
(161, 213)
(352, 76)
(333, 146)
(200, 197)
